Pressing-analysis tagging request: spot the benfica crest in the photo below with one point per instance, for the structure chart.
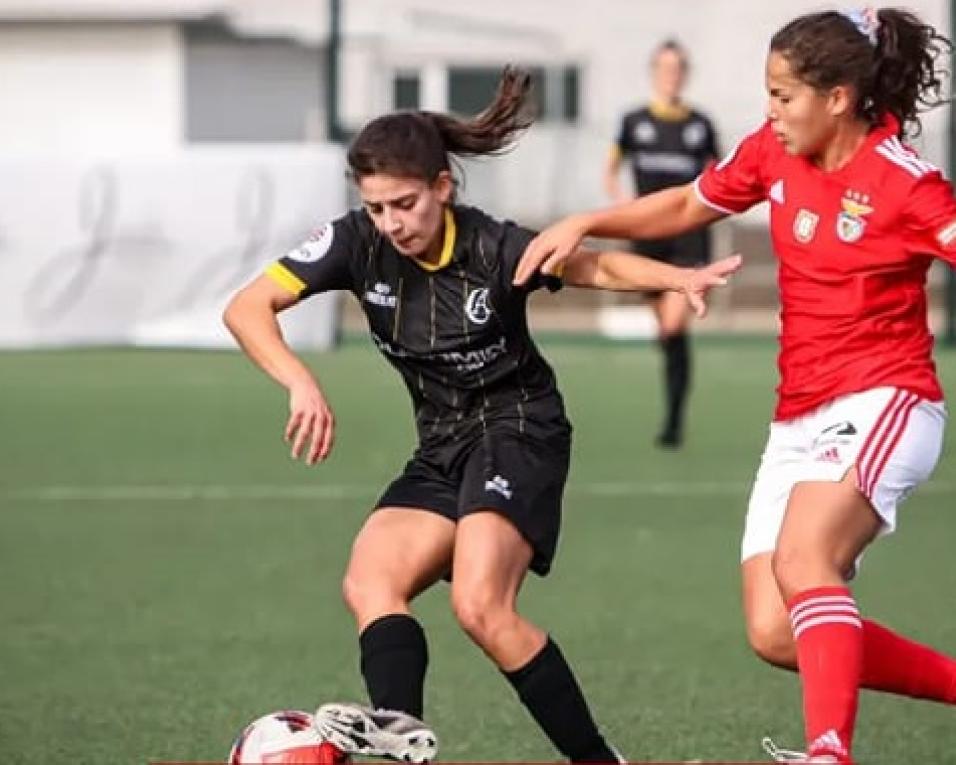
(851, 222)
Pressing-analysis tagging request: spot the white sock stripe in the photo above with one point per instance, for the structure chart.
(868, 459)
(822, 600)
(891, 443)
(849, 610)
(823, 620)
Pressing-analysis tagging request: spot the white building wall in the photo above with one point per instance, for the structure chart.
(611, 39)
(556, 168)
(97, 85)
(121, 84)
(90, 87)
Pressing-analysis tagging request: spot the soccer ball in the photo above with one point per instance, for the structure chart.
(284, 738)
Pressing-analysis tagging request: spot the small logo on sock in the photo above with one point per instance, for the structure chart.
(828, 743)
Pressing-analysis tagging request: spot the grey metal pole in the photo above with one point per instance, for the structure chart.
(334, 130)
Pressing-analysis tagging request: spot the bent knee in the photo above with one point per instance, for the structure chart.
(479, 616)
(796, 568)
(792, 566)
(368, 596)
(355, 592)
(471, 611)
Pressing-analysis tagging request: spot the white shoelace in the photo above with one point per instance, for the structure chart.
(781, 755)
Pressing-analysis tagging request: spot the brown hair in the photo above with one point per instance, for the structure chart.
(417, 144)
(892, 65)
(670, 44)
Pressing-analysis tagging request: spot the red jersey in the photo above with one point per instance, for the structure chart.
(853, 246)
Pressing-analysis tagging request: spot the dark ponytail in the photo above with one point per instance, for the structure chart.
(418, 144)
(905, 78)
(891, 61)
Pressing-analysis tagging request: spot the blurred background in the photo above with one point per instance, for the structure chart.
(155, 153)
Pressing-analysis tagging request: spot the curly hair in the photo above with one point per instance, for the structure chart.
(896, 70)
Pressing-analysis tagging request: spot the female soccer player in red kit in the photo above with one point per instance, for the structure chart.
(856, 218)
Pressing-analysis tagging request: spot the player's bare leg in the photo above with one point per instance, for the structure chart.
(490, 563)
(826, 527)
(768, 623)
(399, 553)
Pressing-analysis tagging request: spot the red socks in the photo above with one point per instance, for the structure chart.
(829, 636)
(838, 653)
(894, 664)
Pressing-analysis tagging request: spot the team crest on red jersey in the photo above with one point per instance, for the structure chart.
(852, 221)
(805, 226)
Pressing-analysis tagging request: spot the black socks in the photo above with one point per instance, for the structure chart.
(546, 686)
(676, 349)
(394, 660)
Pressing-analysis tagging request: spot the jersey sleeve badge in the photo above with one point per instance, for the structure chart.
(316, 246)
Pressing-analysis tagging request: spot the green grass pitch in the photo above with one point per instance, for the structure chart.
(167, 573)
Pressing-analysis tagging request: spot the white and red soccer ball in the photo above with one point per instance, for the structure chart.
(284, 738)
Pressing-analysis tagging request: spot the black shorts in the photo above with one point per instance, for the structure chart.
(688, 250)
(519, 475)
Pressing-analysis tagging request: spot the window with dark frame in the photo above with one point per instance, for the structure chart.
(407, 91)
(554, 90)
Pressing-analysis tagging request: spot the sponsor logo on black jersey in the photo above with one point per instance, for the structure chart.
(388, 348)
(694, 134)
(645, 132)
(470, 361)
(476, 306)
(381, 294)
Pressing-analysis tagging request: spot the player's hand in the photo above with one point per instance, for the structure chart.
(311, 424)
(701, 280)
(550, 249)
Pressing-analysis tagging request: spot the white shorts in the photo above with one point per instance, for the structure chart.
(892, 436)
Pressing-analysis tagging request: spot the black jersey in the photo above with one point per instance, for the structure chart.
(458, 333)
(666, 151)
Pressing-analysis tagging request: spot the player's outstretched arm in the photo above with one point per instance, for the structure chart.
(659, 215)
(251, 317)
(623, 271)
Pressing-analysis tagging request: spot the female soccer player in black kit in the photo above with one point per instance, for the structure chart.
(479, 502)
(667, 144)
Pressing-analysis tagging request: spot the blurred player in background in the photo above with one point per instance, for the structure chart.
(480, 500)
(666, 143)
(856, 218)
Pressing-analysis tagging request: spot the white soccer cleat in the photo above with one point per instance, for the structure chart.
(376, 733)
(789, 755)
